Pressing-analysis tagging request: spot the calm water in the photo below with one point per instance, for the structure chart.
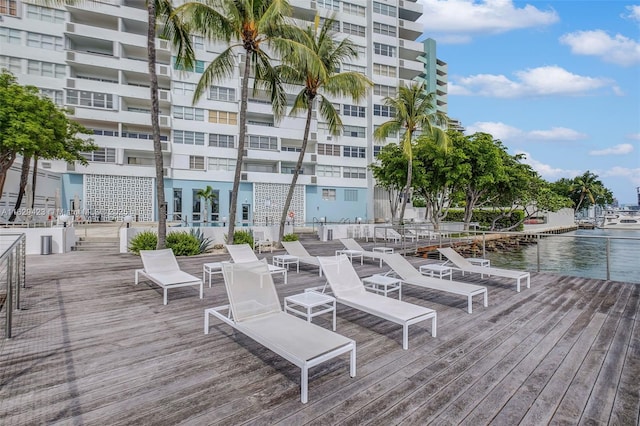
(571, 254)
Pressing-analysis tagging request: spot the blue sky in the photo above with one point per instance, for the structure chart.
(557, 80)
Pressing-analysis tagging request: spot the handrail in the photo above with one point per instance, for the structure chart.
(15, 258)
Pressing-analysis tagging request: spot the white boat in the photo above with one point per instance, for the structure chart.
(620, 219)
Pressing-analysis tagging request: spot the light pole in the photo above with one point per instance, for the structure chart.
(127, 219)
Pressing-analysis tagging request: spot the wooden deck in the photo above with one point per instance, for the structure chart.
(92, 348)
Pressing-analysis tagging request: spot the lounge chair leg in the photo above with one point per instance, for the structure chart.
(304, 384)
(434, 325)
(201, 289)
(469, 304)
(352, 369)
(518, 285)
(486, 299)
(528, 281)
(206, 321)
(165, 296)
(405, 336)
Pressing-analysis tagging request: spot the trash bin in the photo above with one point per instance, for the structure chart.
(45, 244)
(329, 234)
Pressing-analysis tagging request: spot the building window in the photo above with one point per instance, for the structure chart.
(384, 29)
(222, 164)
(46, 69)
(197, 67)
(197, 42)
(350, 195)
(328, 171)
(223, 117)
(9, 7)
(353, 110)
(353, 9)
(221, 141)
(263, 142)
(382, 90)
(329, 4)
(354, 68)
(43, 41)
(11, 64)
(218, 93)
(177, 203)
(353, 29)
(90, 99)
(183, 88)
(10, 36)
(383, 110)
(376, 150)
(384, 50)
(188, 138)
(45, 14)
(384, 9)
(354, 151)
(328, 194)
(328, 149)
(55, 95)
(101, 155)
(188, 113)
(196, 162)
(384, 70)
(335, 25)
(354, 172)
(354, 131)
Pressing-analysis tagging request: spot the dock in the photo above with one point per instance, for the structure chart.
(91, 348)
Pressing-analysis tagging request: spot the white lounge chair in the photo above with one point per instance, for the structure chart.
(410, 275)
(242, 253)
(295, 248)
(254, 310)
(351, 244)
(462, 264)
(390, 234)
(349, 290)
(260, 242)
(161, 268)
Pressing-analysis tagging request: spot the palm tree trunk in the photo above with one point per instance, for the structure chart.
(405, 198)
(34, 178)
(24, 176)
(241, 140)
(296, 173)
(155, 125)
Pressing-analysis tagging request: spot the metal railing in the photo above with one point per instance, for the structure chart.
(12, 274)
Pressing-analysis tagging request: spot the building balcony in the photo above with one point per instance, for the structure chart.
(410, 49)
(409, 30)
(409, 10)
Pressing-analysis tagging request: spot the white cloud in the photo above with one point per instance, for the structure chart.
(463, 18)
(632, 174)
(634, 136)
(634, 13)
(541, 81)
(622, 149)
(618, 49)
(505, 132)
(547, 171)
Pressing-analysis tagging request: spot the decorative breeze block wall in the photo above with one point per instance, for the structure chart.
(114, 197)
(277, 194)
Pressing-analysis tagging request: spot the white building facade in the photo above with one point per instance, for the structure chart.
(92, 59)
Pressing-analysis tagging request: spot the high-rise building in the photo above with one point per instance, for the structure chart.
(92, 58)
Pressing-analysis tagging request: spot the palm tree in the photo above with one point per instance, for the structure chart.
(317, 77)
(585, 187)
(414, 113)
(209, 196)
(249, 26)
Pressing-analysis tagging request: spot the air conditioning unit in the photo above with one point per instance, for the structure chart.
(401, 22)
(314, 158)
(71, 83)
(166, 172)
(314, 180)
(402, 63)
(164, 146)
(162, 44)
(46, 164)
(401, 43)
(329, 138)
(71, 56)
(163, 70)
(313, 136)
(70, 28)
(163, 95)
(244, 177)
(164, 120)
(312, 5)
(245, 152)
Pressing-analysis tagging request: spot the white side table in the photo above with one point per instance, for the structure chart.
(284, 260)
(211, 269)
(383, 284)
(309, 300)
(432, 270)
(486, 263)
(387, 250)
(351, 254)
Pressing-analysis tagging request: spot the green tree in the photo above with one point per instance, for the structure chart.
(209, 196)
(390, 173)
(413, 113)
(318, 75)
(587, 190)
(251, 26)
(32, 125)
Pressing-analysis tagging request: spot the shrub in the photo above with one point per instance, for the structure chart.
(243, 237)
(183, 243)
(203, 241)
(290, 237)
(145, 240)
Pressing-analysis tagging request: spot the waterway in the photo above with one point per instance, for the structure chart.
(576, 254)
